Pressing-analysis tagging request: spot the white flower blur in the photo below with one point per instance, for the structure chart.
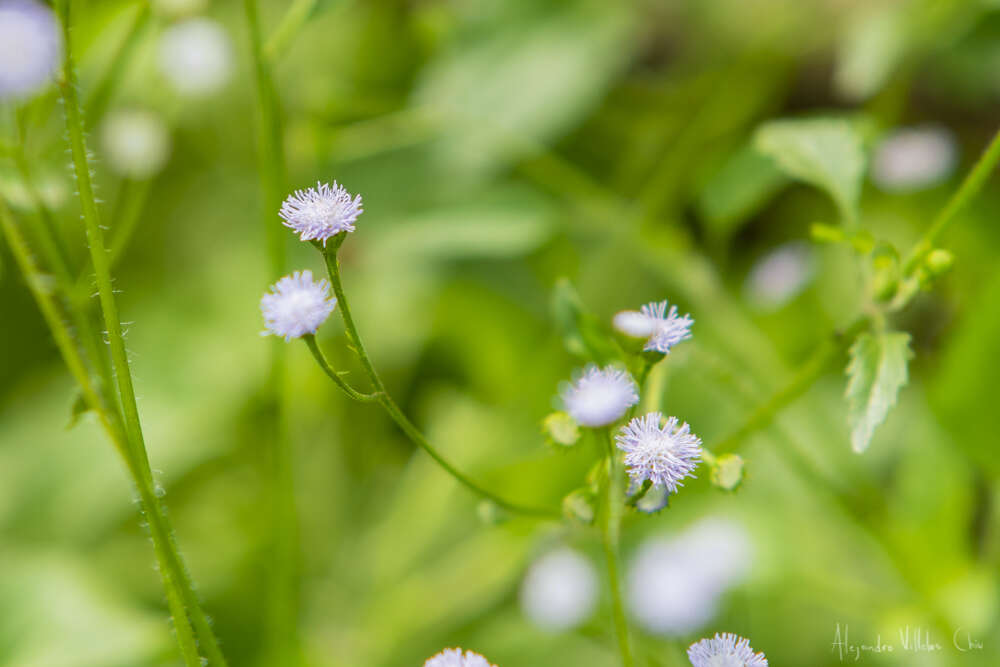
(296, 305)
(136, 143)
(673, 585)
(779, 276)
(453, 657)
(196, 57)
(559, 590)
(914, 158)
(725, 650)
(30, 48)
(664, 454)
(663, 327)
(600, 396)
(321, 212)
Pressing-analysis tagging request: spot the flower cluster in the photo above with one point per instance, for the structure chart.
(600, 396)
(661, 327)
(322, 212)
(661, 451)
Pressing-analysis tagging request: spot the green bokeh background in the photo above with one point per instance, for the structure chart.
(499, 146)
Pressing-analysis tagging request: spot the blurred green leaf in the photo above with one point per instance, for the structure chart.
(870, 49)
(876, 372)
(581, 333)
(824, 152)
(738, 189)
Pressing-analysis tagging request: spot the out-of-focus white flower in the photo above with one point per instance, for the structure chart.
(196, 56)
(725, 650)
(664, 328)
(559, 590)
(321, 212)
(662, 454)
(674, 584)
(296, 305)
(179, 8)
(600, 396)
(779, 276)
(30, 47)
(136, 143)
(453, 657)
(914, 158)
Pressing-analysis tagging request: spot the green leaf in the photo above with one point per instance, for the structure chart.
(824, 152)
(582, 335)
(877, 370)
(738, 189)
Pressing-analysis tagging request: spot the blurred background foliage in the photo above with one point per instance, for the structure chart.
(500, 145)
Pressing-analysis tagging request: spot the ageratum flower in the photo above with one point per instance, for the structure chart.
(662, 327)
(662, 454)
(453, 657)
(321, 212)
(30, 48)
(600, 396)
(914, 158)
(137, 143)
(559, 590)
(296, 305)
(725, 650)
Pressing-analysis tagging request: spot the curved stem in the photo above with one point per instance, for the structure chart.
(610, 529)
(969, 188)
(808, 373)
(383, 398)
(180, 590)
(333, 375)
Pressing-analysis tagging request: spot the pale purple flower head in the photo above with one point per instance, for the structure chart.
(600, 396)
(661, 327)
(559, 590)
(453, 657)
(725, 650)
(662, 454)
(296, 305)
(321, 212)
(30, 47)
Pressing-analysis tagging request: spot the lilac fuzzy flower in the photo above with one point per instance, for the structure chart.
(296, 305)
(662, 454)
(321, 212)
(662, 327)
(600, 396)
(453, 657)
(725, 650)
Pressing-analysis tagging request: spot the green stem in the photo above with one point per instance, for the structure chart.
(282, 622)
(333, 375)
(798, 385)
(97, 101)
(610, 529)
(289, 25)
(383, 398)
(969, 188)
(181, 596)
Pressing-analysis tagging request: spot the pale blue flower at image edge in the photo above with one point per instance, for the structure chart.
(453, 657)
(319, 213)
(296, 305)
(725, 650)
(30, 47)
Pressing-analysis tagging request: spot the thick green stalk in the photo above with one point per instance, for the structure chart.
(969, 188)
(177, 582)
(383, 398)
(614, 501)
(282, 610)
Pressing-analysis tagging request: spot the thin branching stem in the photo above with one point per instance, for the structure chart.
(385, 400)
(182, 599)
(610, 530)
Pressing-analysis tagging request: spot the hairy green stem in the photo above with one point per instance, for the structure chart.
(181, 596)
(610, 530)
(970, 187)
(385, 400)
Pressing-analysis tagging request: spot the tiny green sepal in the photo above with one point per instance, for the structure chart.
(727, 472)
(561, 430)
(580, 506)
